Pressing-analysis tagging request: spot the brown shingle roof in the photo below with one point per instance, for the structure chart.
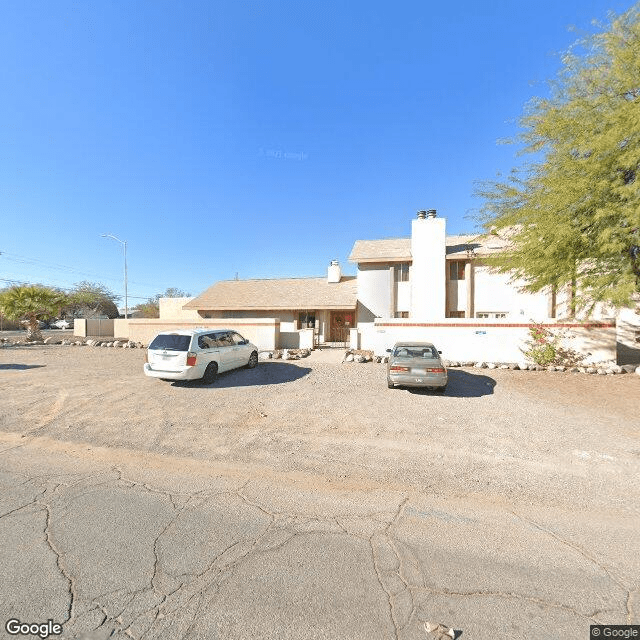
(277, 293)
(399, 249)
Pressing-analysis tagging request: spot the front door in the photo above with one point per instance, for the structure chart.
(339, 324)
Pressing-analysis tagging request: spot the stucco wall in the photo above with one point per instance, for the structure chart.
(374, 292)
(428, 271)
(468, 339)
(263, 332)
(171, 309)
(495, 293)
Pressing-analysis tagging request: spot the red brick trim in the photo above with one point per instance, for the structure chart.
(564, 325)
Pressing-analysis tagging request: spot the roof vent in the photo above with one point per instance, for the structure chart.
(431, 213)
(422, 214)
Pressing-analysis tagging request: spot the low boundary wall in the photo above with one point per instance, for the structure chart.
(489, 341)
(84, 327)
(263, 332)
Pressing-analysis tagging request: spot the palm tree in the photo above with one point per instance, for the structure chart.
(32, 303)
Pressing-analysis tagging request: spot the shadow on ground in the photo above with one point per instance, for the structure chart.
(266, 373)
(21, 366)
(462, 384)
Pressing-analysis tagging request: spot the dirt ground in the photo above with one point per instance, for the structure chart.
(515, 494)
(502, 431)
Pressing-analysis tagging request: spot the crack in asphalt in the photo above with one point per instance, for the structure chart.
(59, 562)
(510, 595)
(588, 556)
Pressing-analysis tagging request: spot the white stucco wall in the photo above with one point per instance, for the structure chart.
(428, 272)
(494, 292)
(374, 291)
(457, 295)
(403, 295)
(463, 339)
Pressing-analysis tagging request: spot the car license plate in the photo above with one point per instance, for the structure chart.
(420, 372)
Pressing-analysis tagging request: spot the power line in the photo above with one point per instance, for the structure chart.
(27, 283)
(61, 267)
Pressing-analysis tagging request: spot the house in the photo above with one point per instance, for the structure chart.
(323, 307)
(425, 286)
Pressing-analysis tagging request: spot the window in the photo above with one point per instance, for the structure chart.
(207, 341)
(307, 320)
(402, 314)
(491, 314)
(456, 314)
(171, 342)
(482, 315)
(224, 340)
(401, 272)
(237, 338)
(456, 270)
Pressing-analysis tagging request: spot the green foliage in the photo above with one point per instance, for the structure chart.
(573, 215)
(32, 303)
(89, 299)
(544, 348)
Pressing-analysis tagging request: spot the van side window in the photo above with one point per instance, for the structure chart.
(224, 340)
(207, 341)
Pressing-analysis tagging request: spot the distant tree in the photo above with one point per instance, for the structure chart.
(151, 308)
(90, 299)
(32, 303)
(573, 217)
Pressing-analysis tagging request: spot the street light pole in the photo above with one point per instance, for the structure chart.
(124, 246)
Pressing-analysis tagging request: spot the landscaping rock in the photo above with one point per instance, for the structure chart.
(265, 355)
(348, 358)
(638, 371)
(591, 370)
(285, 354)
(491, 365)
(50, 340)
(480, 365)
(505, 366)
(359, 358)
(560, 368)
(601, 372)
(628, 368)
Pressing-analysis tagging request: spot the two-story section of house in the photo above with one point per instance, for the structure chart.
(430, 276)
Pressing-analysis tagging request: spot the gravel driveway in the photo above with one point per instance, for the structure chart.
(514, 496)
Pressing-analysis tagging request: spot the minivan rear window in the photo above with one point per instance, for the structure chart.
(171, 342)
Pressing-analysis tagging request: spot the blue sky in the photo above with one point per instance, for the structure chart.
(257, 137)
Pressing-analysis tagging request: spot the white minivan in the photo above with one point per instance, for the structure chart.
(198, 354)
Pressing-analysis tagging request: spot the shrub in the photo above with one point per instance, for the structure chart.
(544, 348)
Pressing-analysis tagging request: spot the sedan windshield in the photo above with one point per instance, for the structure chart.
(171, 342)
(415, 352)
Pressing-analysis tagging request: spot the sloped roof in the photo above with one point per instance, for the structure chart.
(398, 249)
(278, 293)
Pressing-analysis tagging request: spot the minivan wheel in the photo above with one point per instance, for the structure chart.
(253, 360)
(210, 373)
(441, 389)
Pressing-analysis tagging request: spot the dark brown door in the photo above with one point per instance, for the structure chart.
(339, 324)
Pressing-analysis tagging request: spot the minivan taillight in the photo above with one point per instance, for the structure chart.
(191, 359)
(395, 367)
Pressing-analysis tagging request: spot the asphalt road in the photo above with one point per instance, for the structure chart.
(190, 538)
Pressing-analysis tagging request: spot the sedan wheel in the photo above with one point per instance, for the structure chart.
(390, 384)
(253, 360)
